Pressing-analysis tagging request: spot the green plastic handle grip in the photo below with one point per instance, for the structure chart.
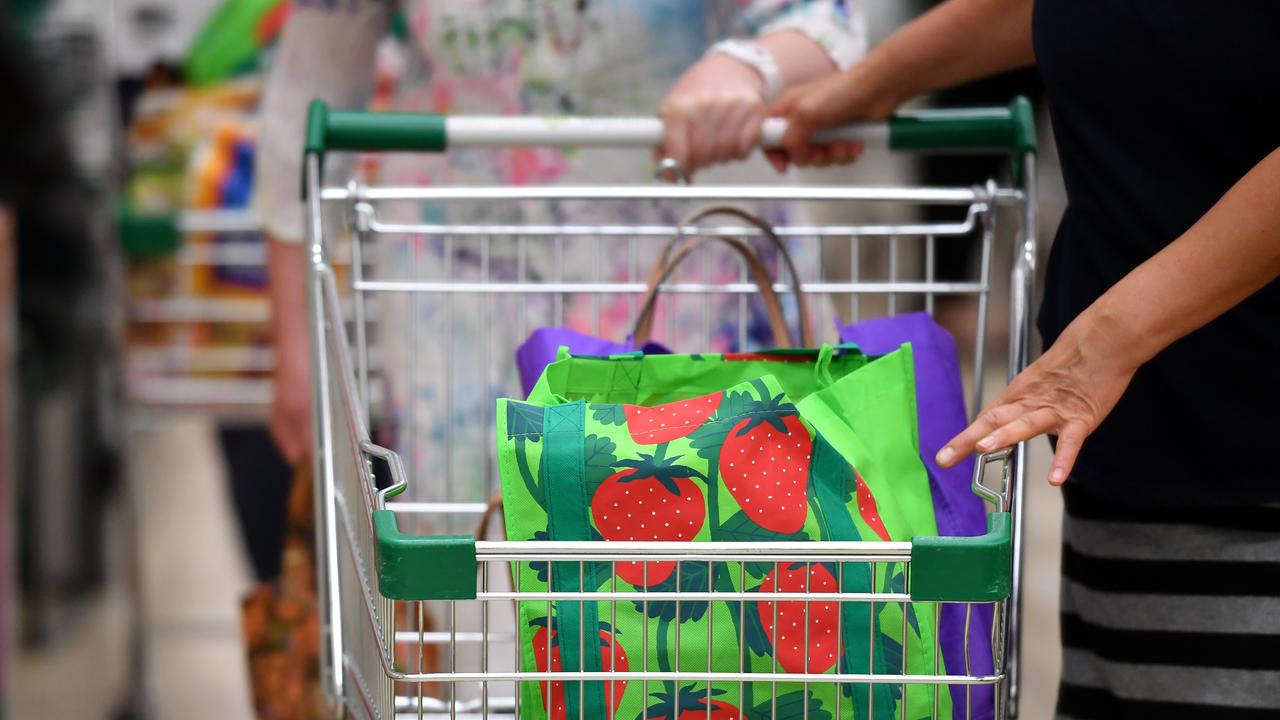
(329, 130)
(1009, 130)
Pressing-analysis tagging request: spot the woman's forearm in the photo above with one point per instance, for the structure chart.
(956, 42)
(1229, 254)
(1232, 252)
(800, 58)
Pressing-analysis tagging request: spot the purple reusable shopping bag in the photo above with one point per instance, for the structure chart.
(941, 412)
(539, 351)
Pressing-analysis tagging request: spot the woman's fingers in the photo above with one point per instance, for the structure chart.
(675, 143)
(1023, 427)
(962, 445)
(843, 153)
(777, 158)
(795, 141)
(748, 132)
(720, 129)
(709, 130)
(1067, 392)
(710, 112)
(820, 156)
(1070, 440)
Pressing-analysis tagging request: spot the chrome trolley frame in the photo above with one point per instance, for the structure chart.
(382, 587)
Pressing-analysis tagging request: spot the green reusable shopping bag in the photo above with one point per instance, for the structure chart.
(786, 445)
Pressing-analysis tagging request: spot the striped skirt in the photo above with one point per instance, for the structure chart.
(1169, 614)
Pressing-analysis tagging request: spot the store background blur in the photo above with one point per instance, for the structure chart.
(140, 496)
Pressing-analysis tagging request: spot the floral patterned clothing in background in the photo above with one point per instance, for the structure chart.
(493, 57)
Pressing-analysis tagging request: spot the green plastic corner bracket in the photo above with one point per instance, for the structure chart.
(414, 567)
(964, 569)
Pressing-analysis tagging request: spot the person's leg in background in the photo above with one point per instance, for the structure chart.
(260, 480)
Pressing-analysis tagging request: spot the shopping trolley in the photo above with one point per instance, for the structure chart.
(417, 614)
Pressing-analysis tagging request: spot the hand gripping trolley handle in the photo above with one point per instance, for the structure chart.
(418, 623)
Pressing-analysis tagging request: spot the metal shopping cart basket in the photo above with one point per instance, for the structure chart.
(417, 614)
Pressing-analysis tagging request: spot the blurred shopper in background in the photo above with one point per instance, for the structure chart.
(63, 339)
(1160, 316)
(606, 57)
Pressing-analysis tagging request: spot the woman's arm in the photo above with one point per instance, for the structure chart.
(714, 111)
(958, 41)
(1229, 254)
(328, 53)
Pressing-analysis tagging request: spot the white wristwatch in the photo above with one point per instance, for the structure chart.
(753, 54)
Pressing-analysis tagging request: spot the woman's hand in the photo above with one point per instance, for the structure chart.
(289, 420)
(1067, 392)
(823, 103)
(713, 114)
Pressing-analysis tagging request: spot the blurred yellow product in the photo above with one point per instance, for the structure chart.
(213, 170)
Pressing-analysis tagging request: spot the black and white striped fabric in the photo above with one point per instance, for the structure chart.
(1169, 614)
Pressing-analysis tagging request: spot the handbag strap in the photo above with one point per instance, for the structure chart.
(807, 337)
(759, 274)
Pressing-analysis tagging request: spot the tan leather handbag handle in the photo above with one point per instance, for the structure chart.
(759, 274)
(492, 511)
(773, 306)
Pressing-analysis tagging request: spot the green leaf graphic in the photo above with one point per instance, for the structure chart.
(693, 578)
(740, 528)
(790, 706)
(897, 583)
(598, 461)
(756, 639)
(524, 420)
(609, 414)
(708, 438)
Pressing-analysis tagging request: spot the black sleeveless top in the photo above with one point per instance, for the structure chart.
(1158, 108)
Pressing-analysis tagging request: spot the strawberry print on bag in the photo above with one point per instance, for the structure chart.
(736, 465)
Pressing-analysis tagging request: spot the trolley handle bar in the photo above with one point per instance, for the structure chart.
(997, 130)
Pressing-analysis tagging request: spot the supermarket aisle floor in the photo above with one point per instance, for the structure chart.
(193, 574)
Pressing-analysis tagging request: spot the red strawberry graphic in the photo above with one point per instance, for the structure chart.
(868, 510)
(653, 499)
(823, 618)
(764, 462)
(691, 705)
(612, 658)
(672, 421)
